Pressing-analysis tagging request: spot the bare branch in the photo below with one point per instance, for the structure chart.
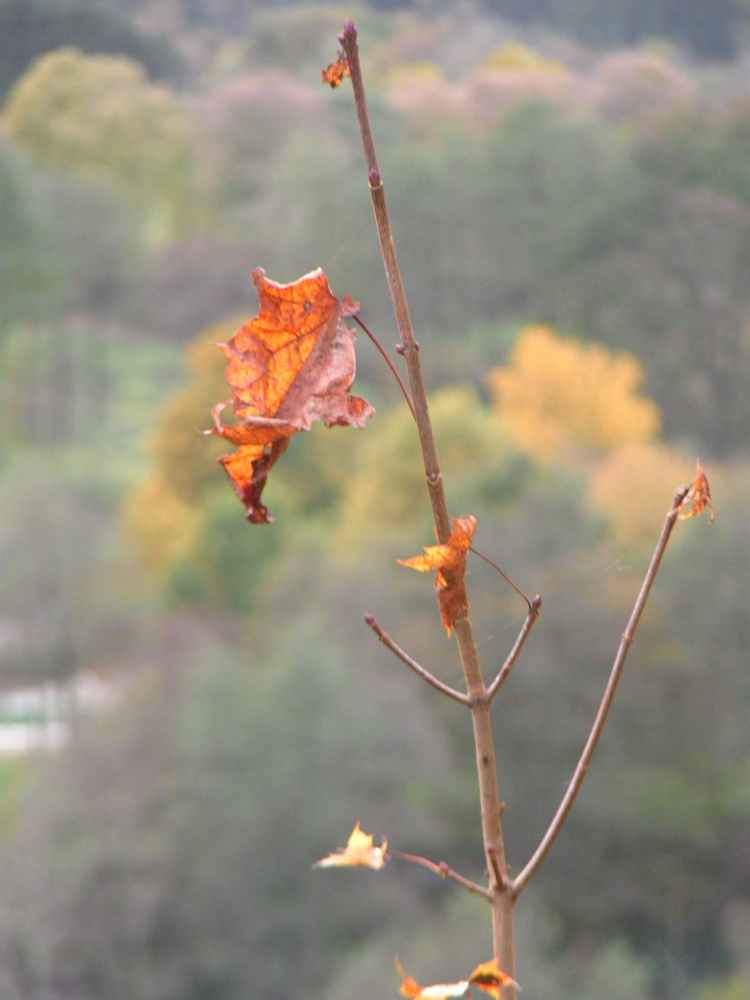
(409, 347)
(502, 573)
(492, 832)
(412, 664)
(581, 769)
(504, 672)
(441, 869)
(386, 357)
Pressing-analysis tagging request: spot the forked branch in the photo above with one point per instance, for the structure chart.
(581, 769)
(412, 664)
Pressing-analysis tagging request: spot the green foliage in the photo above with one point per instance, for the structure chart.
(692, 151)
(383, 492)
(58, 537)
(22, 269)
(732, 988)
(224, 566)
(134, 833)
(29, 28)
(83, 386)
(711, 31)
(100, 116)
(616, 216)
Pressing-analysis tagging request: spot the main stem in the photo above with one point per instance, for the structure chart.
(501, 897)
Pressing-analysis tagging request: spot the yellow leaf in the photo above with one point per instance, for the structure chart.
(490, 978)
(360, 851)
(440, 991)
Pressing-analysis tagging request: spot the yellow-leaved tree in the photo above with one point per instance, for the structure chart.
(100, 116)
(559, 394)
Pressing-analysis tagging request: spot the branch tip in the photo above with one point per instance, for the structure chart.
(348, 34)
(370, 620)
(679, 496)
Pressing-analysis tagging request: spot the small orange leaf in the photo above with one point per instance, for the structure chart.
(335, 72)
(360, 851)
(490, 978)
(440, 991)
(290, 365)
(449, 562)
(698, 497)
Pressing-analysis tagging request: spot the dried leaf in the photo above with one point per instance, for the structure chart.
(291, 364)
(441, 991)
(335, 72)
(698, 497)
(449, 562)
(490, 978)
(360, 851)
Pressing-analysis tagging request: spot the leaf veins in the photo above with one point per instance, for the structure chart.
(290, 365)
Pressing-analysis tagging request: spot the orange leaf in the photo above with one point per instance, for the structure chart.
(360, 851)
(490, 978)
(335, 72)
(291, 364)
(449, 562)
(698, 497)
(441, 991)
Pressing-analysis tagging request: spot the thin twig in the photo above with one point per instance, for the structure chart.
(420, 671)
(581, 769)
(386, 357)
(502, 573)
(504, 672)
(441, 869)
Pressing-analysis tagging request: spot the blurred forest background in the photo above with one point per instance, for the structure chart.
(202, 712)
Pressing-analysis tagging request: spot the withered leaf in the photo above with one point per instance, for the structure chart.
(440, 991)
(449, 562)
(335, 72)
(291, 364)
(698, 497)
(490, 978)
(360, 852)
